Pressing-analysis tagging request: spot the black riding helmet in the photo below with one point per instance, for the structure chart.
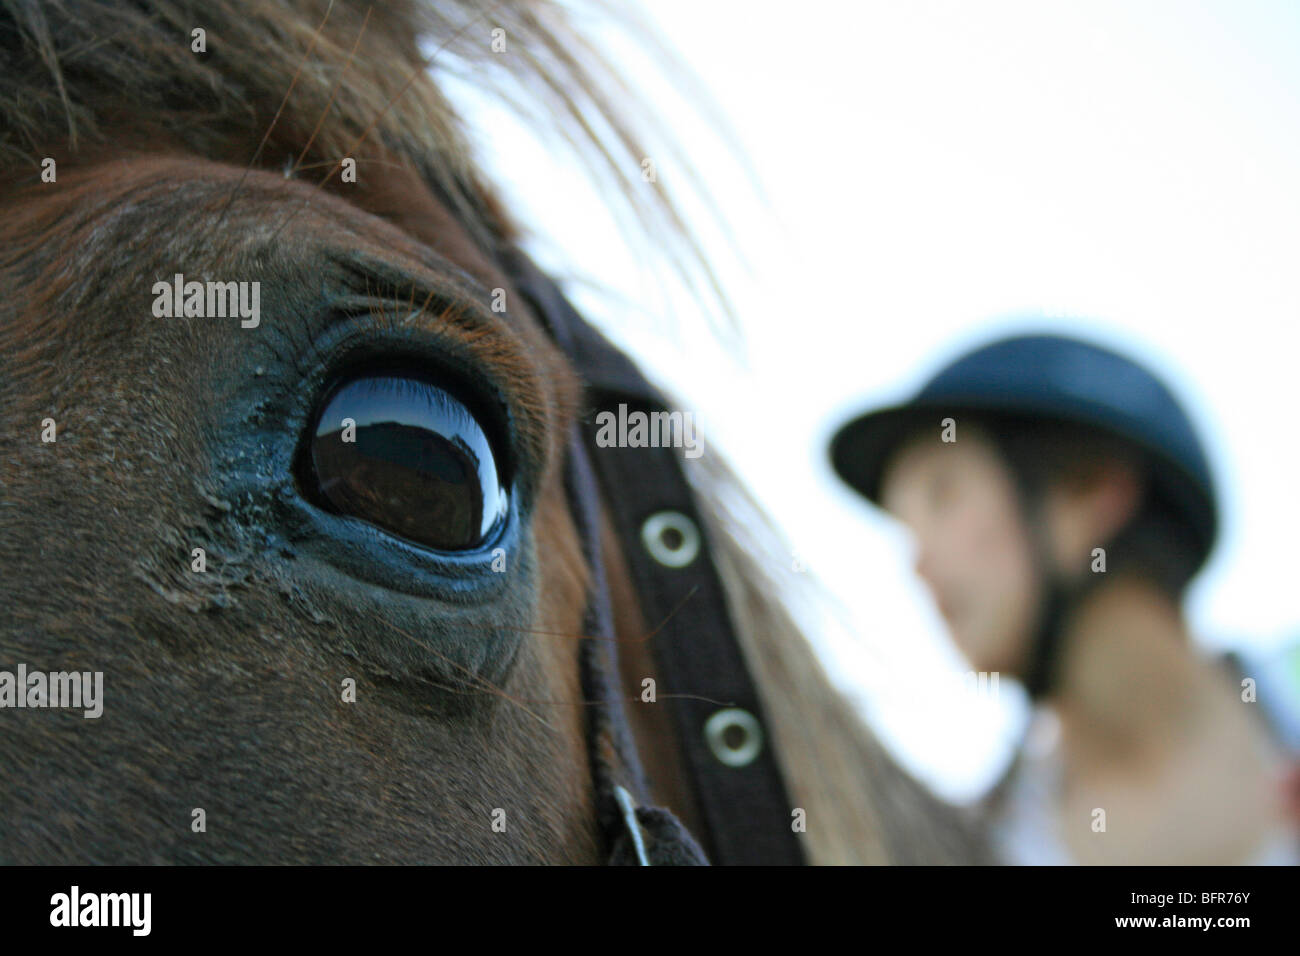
(1049, 377)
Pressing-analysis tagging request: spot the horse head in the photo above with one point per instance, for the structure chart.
(288, 461)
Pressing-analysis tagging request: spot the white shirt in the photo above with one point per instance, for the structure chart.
(1022, 808)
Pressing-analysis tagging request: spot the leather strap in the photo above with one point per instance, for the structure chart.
(744, 804)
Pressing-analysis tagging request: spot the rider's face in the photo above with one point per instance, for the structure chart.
(972, 547)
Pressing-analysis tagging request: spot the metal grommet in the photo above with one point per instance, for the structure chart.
(671, 538)
(735, 736)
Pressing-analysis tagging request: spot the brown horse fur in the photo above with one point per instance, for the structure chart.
(223, 689)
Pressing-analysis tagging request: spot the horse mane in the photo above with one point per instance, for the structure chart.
(350, 80)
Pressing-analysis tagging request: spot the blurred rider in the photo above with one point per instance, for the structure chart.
(1061, 500)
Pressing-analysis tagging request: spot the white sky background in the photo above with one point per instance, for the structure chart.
(930, 172)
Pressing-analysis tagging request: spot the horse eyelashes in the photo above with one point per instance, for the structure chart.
(403, 454)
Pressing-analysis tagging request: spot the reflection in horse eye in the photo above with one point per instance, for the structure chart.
(404, 455)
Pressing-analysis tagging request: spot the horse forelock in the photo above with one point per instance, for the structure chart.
(325, 79)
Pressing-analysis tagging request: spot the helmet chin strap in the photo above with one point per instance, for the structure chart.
(1058, 597)
(1041, 674)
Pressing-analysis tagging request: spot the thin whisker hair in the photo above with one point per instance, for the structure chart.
(418, 71)
(257, 153)
(333, 93)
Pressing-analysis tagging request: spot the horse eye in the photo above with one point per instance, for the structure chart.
(408, 457)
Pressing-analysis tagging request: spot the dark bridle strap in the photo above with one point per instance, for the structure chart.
(660, 839)
(741, 795)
